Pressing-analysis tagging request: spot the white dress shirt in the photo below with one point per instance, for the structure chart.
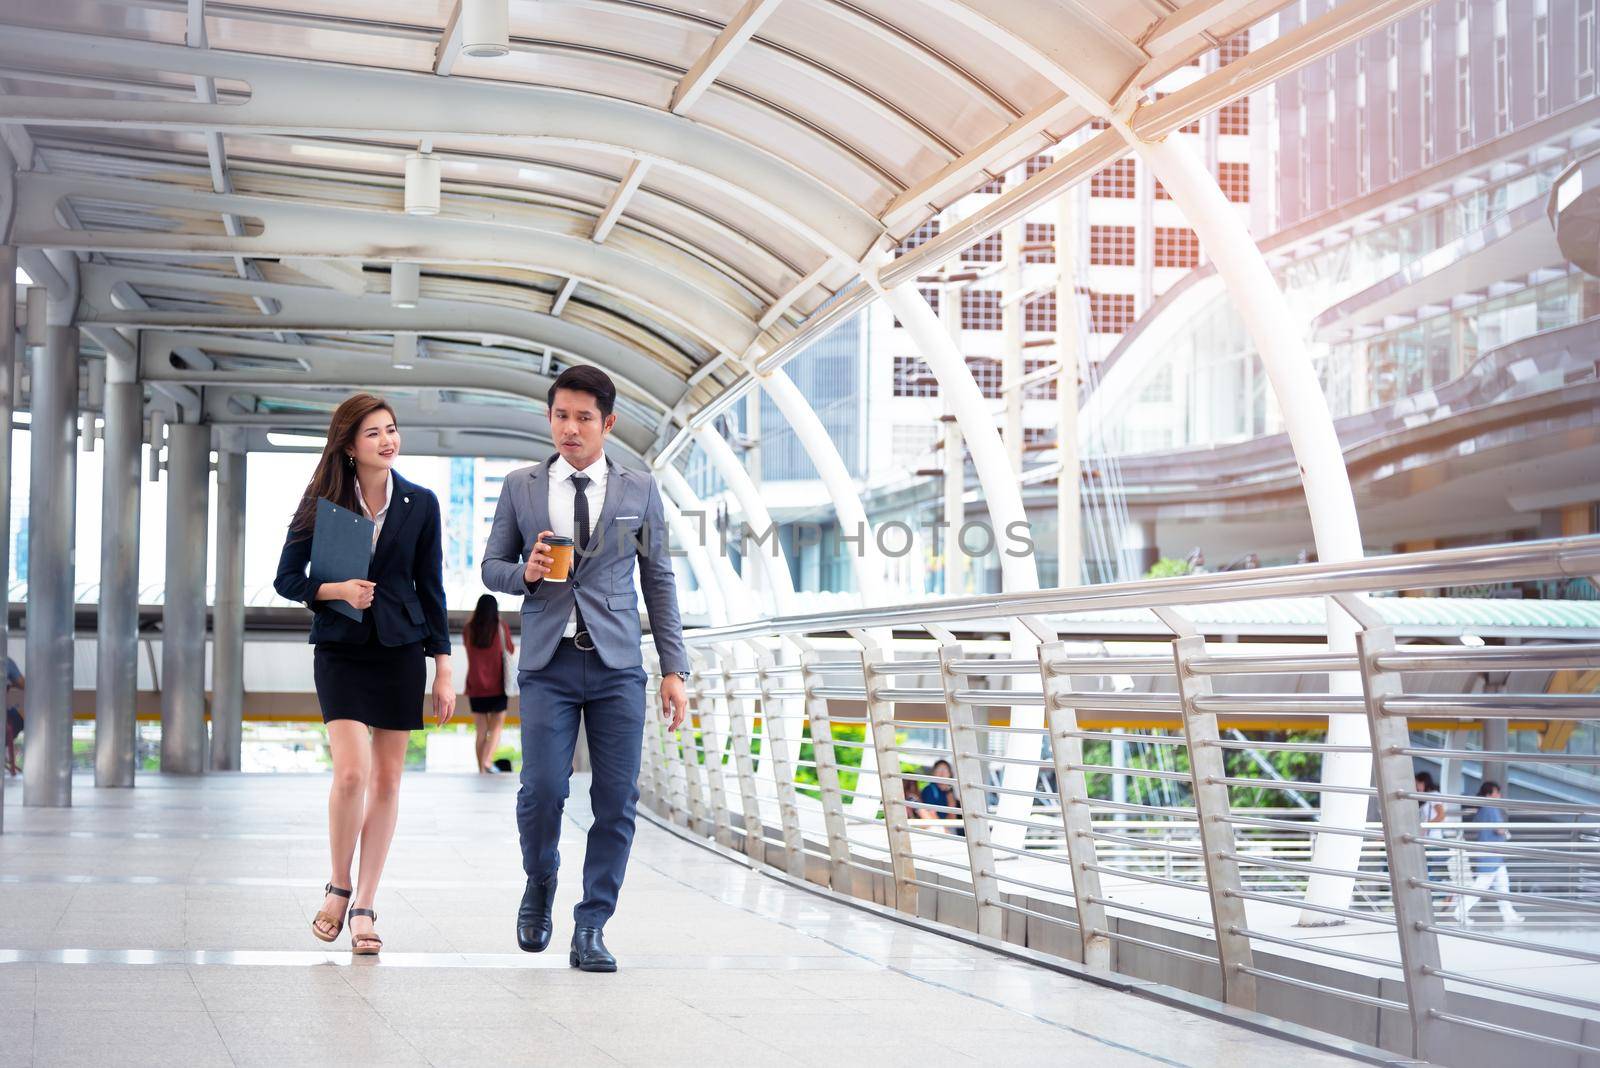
(563, 495)
(382, 513)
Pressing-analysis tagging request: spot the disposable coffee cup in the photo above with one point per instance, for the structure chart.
(560, 558)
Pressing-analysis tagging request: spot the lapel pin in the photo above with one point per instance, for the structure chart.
(406, 500)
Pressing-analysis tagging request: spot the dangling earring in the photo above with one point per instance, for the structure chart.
(349, 461)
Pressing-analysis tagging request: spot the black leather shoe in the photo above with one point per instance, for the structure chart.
(534, 922)
(589, 951)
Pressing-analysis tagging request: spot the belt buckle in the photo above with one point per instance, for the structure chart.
(583, 642)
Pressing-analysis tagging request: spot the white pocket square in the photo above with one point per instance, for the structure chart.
(620, 518)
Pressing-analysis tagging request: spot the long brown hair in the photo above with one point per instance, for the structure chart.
(484, 623)
(335, 476)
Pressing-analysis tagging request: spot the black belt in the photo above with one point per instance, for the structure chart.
(581, 641)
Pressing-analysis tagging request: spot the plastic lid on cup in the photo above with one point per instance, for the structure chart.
(557, 539)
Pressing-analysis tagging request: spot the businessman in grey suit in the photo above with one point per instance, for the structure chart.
(580, 650)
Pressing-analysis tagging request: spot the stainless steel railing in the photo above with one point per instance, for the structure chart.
(960, 762)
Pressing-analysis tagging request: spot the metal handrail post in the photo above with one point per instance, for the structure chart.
(778, 753)
(840, 877)
(712, 704)
(1206, 767)
(974, 795)
(740, 713)
(881, 732)
(649, 769)
(1401, 823)
(1072, 794)
(688, 756)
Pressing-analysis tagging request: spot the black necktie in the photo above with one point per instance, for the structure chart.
(580, 509)
(580, 523)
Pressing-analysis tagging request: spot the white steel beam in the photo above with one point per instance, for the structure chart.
(326, 231)
(619, 199)
(1350, 21)
(559, 305)
(324, 99)
(449, 48)
(323, 311)
(715, 59)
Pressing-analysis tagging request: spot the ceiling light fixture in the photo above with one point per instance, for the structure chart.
(485, 28)
(404, 282)
(422, 184)
(405, 351)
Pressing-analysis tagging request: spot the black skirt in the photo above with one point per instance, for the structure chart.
(488, 704)
(376, 684)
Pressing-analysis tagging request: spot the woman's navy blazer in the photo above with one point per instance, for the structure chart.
(407, 567)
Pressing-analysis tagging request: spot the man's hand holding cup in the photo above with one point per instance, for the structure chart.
(550, 559)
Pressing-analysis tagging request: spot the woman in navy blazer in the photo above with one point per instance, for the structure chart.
(370, 672)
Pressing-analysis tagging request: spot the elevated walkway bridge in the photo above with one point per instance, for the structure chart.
(233, 214)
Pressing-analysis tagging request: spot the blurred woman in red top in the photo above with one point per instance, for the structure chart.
(488, 642)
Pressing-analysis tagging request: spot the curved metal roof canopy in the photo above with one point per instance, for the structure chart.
(668, 190)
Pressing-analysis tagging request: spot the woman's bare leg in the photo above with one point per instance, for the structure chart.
(352, 763)
(480, 740)
(383, 808)
(497, 722)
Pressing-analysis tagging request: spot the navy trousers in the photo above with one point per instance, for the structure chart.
(574, 686)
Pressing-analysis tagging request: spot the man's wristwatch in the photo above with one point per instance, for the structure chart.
(684, 675)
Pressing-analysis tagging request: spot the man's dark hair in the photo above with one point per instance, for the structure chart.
(1489, 787)
(590, 380)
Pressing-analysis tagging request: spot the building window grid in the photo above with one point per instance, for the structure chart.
(1541, 59)
(929, 294)
(1044, 390)
(1502, 72)
(920, 236)
(913, 378)
(1234, 117)
(1041, 234)
(1584, 43)
(1363, 134)
(1463, 75)
(993, 185)
(1176, 246)
(1113, 246)
(988, 374)
(987, 250)
(1110, 313)
(1117, 179)
(1391, 74)
(980, 309)
(1234, 178)
(1036, 164)
(1330, 154)
(1425, 86)
(1233, 48)
(1039, 314)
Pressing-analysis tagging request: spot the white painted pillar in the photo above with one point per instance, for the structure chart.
(773, 561)
(1003, 499)
(866, 561)
(1279, 339)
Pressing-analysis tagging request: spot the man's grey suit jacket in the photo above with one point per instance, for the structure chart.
(632, 528)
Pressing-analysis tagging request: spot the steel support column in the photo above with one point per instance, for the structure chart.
(966, 749)
(227, 641)
(183, 632)
(8, 378)
(775, 562)
(1072, 791)
(866, 561)
(117, 654)
(52, 527)
(1211, 810)
(1008, 526)
(881, 736)
(1401, 820)
(1279, 339)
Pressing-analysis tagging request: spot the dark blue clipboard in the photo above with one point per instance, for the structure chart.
(341, 549)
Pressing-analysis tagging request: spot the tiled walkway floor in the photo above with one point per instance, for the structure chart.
(169, 924)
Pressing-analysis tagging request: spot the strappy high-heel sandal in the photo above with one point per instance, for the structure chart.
(365, 945)
(335, 922)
